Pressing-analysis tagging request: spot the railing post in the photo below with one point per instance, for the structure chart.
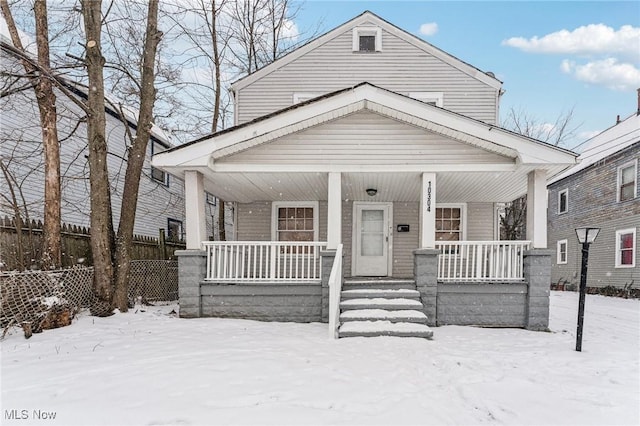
(272, 261)
(327, 258)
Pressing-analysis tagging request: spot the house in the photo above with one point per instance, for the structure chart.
(161, 197)
(365, 167)
(601, 191)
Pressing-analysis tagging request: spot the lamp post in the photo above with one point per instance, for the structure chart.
(585, 236)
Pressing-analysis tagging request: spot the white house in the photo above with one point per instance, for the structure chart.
(380, 154)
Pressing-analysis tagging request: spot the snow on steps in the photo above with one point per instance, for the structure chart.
(354, 284)
(384, 328)
(381, 293)
(383, 315)
(393, 304)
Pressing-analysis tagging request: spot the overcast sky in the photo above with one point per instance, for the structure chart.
(551, 56)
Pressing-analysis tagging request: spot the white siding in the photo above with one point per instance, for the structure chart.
(387, 141)
(400, 67)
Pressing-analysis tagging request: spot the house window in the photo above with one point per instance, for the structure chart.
(563, 201)
(627, 184)
(562, 252)
(450, 223)
(432, 98)
(157, 174)
(174, 228)
(367, 39)
(295, 221)
(210, 198)
(626, 248)
(302, 97)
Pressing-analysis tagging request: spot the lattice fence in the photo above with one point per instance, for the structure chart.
(38, 300)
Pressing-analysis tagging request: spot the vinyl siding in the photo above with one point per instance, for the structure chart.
(21, 148)
(592, 202)
(400, 67)
(387, 141)
(254, 224)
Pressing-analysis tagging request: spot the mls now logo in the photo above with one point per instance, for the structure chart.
(26, 415)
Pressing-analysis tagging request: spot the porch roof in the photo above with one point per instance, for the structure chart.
(235, 181)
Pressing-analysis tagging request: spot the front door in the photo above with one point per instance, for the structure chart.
(372, 233)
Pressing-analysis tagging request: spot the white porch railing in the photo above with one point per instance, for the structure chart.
(237, 261)
(481, 260)
(335, 290)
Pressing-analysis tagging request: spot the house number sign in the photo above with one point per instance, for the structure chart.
(429, 197)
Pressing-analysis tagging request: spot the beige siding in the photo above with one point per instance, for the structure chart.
(400, 67)
(405, 242)
(254, 221)
(387, 141)
(480, 221)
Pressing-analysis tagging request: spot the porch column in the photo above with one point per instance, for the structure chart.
(334, 211)
(537, 208)
(194, 205)
(428, 211)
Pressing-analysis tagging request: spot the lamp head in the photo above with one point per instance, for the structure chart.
(372, 192)
(587, 235)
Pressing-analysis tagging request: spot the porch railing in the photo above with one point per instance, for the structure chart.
(237, 261)
(335, 290)
(481, 260)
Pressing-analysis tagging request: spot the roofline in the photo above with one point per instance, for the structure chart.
(329, 35)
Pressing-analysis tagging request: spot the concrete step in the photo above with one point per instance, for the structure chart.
(395, 304)
(384, 328)
(369, 293)
(414, 316)
(378, 283)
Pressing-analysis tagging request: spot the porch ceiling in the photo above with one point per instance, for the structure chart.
(402, 187)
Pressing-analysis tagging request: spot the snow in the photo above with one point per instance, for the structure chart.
(381, 326)
(151, 368)
(382, 314)
(379, 301)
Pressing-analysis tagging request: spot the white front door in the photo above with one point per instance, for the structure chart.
(372, 232)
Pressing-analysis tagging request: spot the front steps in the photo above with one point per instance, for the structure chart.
(376, 307)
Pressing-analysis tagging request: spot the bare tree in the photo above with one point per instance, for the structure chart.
(42, 84)
(136, 157)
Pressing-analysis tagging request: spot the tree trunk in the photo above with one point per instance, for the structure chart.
(101, 221)
(46, 99)
(135, 160)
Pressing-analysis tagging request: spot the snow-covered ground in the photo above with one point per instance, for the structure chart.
(150, 368)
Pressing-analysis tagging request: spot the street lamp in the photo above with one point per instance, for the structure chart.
(585, 236)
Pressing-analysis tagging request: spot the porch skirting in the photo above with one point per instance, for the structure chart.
(493, 304)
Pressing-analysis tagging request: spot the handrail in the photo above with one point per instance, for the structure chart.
(335, 290)
(481, 260)
(238, 261)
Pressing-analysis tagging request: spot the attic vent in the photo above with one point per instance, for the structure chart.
(367, 39)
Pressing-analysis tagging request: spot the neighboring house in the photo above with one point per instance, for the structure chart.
(373, 144)
(602, 191)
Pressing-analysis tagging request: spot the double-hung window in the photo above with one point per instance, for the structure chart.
(450, 223)
(157, 174)
(295, 221)
(627, 181)
(626, 248)
(563, 201)
(561, 254)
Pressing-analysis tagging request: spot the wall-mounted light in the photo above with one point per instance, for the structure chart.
(372, 192)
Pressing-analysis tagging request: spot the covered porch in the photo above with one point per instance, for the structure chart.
(402, 189)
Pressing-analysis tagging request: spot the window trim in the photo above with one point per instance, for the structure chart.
(367, 31)
(634, 164)
(181, 231)
(275, 205)
(566, 204)
(559, 260)
(164, 182)
(463, 217)
(303, 97)
(428, 97)
(618, 259)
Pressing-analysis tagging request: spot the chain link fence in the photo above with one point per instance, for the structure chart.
(38, 300)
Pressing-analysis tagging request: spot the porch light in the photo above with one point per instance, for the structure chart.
(372, 192)
(586, 236)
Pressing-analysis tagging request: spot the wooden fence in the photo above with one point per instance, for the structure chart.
(76, 247)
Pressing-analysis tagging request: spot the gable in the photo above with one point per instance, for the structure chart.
(365, 137)
(405, 64)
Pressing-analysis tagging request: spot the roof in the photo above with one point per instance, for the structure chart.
(201, 152)
(368, 16)
(605, 144)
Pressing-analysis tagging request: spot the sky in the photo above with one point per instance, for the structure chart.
(551, 56)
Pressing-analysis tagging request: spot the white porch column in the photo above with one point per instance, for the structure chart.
(537, 208)
(428, 211)
(194, 205)
(334, 210)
